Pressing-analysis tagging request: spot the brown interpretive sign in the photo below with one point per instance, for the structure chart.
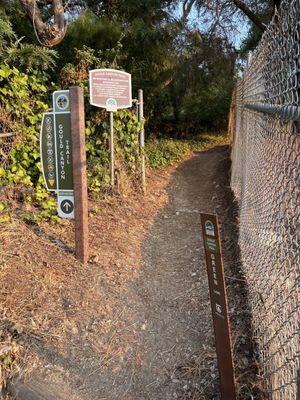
(217, 289)
(110, 89)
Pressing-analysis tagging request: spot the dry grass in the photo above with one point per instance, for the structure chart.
(47, 297)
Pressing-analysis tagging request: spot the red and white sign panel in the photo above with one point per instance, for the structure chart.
(110, 89)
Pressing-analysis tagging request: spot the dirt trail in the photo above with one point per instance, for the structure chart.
(169, 300)
(148, 334)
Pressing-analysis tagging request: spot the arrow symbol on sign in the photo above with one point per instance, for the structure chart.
(67, 206)
(51, 181)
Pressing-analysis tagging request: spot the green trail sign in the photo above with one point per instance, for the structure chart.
(62, 138)
(56, 146)
(63, 151)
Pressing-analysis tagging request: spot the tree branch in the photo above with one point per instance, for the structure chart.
(277, 3)
(186, 8)
(246, 10)
(48, 34)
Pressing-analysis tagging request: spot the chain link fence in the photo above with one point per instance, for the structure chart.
(265, 129)
(7, 138)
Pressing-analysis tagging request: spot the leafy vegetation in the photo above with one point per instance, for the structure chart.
(165, 152)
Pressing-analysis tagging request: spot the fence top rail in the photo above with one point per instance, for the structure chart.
(285, 112)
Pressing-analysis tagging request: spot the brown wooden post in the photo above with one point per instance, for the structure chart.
(79, 174)
(218, 299)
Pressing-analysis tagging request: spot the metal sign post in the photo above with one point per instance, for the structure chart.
(111, 149)
(142, 137)
(217, 289)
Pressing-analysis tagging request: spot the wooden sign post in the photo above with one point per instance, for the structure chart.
(79, 174)
(217, 289)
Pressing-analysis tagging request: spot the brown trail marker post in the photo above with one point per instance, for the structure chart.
(79, 174)
(142, 136)
(217, 289)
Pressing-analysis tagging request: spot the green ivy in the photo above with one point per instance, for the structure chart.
(23, 97)
(164, 152)
(127, 154)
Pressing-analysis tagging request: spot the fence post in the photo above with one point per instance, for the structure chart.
(79, 174)
(142, 137)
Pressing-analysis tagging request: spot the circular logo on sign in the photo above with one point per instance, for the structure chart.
(209, 228)
(67, 206)
(111, 104)
(62, 102)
